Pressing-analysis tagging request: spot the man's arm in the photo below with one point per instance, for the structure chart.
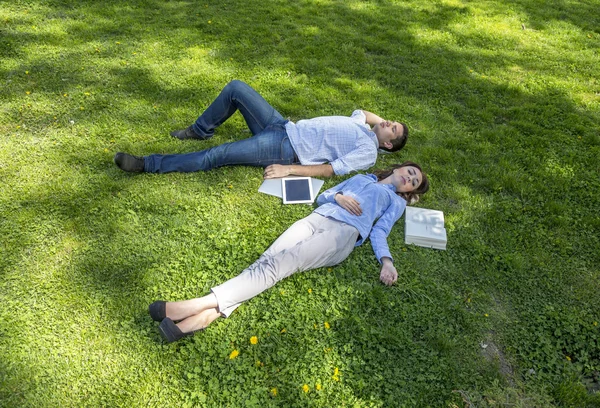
(372, 119)
(280, 170)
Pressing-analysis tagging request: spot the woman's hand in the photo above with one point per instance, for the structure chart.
(348, 203)
(388, 274)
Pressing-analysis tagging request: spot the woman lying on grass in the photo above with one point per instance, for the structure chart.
(362, 206)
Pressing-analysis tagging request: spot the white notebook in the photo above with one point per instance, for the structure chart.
(425, 228)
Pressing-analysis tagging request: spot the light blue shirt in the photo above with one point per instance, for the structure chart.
(347, 143)
(381, 208)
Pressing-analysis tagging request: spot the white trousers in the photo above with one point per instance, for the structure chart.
(312, 242)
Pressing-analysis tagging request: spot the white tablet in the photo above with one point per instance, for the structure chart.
(297, 190)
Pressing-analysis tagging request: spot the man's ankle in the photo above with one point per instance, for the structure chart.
(187, 133)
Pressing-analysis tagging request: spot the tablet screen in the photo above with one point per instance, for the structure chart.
(297, 190)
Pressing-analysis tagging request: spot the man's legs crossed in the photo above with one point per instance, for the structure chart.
(272, 146)
(236, 95)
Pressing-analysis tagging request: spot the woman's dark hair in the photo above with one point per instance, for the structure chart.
(413, 196)
(398, 143)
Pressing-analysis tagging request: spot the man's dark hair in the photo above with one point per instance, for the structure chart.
(398, 143)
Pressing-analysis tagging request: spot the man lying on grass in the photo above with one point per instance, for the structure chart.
(361, 207)
(321, 146)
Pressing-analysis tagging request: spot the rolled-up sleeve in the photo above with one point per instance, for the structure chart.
(361, 158)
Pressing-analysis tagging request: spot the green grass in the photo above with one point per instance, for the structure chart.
(503, 102)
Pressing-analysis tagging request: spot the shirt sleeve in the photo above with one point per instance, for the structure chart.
(382, 229)
(327, 196)
(359, 116)
(361, 158)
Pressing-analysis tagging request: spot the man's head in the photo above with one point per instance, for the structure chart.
(392, 136)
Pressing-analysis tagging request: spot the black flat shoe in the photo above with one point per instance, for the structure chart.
(170, 332)
(187, 133)
(130, 163)
(158, 310)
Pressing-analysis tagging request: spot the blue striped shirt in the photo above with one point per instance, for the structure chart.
(380, 205)
(347, 143)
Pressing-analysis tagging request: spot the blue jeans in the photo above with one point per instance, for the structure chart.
(268, 145)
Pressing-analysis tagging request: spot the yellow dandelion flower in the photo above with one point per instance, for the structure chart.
(274, 392)
(26, 72)
(258, 363)
(318, 387)
(568, 358)
(105, 150)
(283, 331)
(253, 340)
(117, 42)
(309, 290)
(27, 92)
(336, 371)
(486, 315)
(209, 22)
(305, 388)
(327, 326)
(81, 108)
(234, 354)
(86, 93)
(595, 323)
(65, 94)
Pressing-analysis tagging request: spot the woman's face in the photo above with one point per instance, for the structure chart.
(407, 179)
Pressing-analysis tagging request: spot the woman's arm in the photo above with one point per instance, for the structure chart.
(328, 196)
(388, 274)
(382, 228)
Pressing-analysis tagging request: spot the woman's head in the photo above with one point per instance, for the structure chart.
(409, 179)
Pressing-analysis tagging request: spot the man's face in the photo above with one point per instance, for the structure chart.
(387, 131)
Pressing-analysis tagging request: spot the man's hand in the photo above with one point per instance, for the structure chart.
(281, 170)
(372, 119)
(388, 274)
(348, 203)
(276, 171)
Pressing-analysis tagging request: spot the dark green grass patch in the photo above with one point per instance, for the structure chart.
(503, 104)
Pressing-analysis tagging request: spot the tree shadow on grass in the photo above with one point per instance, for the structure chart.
(481, 124)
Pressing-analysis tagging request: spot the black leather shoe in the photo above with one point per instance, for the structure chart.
(170, 332)
(157, 310)
(187, 133)
(127, 162)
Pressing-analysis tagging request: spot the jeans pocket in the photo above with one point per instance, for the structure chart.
(288, 155)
